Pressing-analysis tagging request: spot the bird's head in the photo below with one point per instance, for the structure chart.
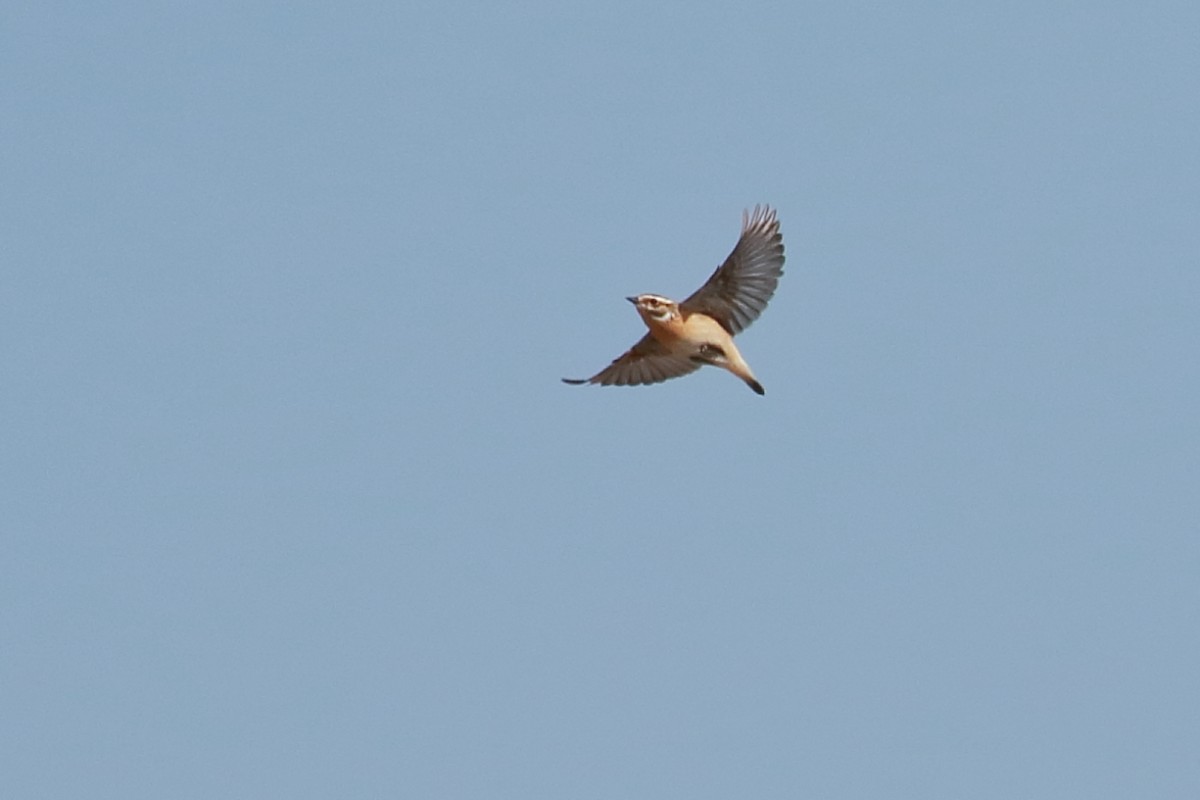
(655, 307)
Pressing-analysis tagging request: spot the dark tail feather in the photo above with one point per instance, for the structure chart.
(756, 386)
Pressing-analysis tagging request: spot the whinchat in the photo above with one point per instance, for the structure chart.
(685, 336)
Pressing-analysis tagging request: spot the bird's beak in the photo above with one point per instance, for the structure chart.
(632, 300)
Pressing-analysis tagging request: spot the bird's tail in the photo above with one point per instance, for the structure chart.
(738, 366)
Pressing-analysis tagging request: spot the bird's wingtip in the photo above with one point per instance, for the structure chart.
(756, 386)
(574, 381)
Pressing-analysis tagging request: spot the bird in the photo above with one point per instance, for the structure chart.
(687, 335)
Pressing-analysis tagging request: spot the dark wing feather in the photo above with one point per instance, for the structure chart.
(645, 362)
(741, 287)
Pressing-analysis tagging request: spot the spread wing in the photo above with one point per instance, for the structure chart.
(741, 287)
(646, 362)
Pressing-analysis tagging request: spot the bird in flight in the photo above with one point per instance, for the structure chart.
(685, 336)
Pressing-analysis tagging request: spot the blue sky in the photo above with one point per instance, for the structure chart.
(296, 505)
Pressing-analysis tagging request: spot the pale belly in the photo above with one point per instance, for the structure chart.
(689, 335)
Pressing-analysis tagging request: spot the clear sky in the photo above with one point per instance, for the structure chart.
(295, 504)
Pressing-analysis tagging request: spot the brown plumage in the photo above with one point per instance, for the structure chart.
(684, 336)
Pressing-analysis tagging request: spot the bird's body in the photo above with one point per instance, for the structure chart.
(684, 336)
(696, 337)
